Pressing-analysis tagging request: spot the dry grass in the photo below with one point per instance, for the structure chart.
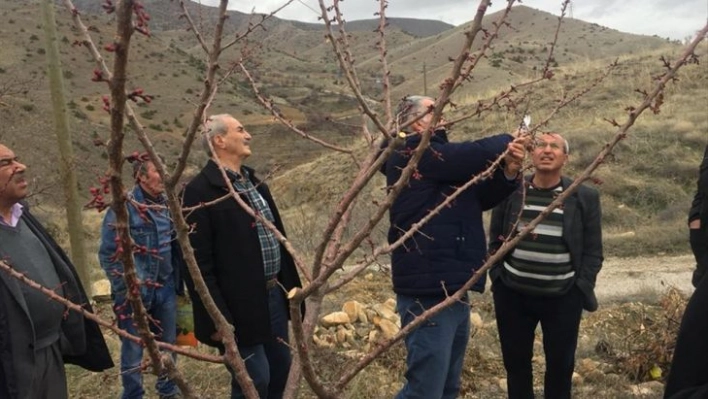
(617, 345)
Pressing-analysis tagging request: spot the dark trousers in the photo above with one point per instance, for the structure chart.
(49, 379)
(517, 317)
(688, 377)
(268, 364)
(699, 246)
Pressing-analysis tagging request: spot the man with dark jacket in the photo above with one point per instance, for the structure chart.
(688, 378)
(550, 276)
(37, 335)
(244, 266)
(157, 267)
(698, 222)
(444, 254)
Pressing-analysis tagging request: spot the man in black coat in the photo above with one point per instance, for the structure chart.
(698, 222)
(688, 378)
(37, 335)
(244, 266)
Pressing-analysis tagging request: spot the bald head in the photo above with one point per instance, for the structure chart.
(229, 139)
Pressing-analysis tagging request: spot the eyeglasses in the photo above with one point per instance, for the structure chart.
(541, 145)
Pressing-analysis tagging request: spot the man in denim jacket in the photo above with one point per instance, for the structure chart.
(157, 264)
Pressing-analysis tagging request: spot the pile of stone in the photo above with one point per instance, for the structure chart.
(358, 326)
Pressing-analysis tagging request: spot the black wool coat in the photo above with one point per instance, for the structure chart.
(228, 252)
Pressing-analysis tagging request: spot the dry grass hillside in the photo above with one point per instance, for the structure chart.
(517, 54)
(647, 184)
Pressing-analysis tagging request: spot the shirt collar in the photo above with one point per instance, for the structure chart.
(15, 214)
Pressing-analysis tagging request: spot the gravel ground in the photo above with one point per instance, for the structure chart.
(624, 279)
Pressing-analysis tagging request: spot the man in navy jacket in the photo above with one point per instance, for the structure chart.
(446, 251)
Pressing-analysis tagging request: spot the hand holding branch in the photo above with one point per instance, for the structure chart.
(514, 158)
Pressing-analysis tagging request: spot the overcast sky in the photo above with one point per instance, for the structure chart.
(666, 18)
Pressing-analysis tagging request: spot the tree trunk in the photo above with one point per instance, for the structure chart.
(66, 154)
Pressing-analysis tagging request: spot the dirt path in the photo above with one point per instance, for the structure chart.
(623, 279)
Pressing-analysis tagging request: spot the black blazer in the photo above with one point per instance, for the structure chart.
(82, 342)
(582, 233)
(228, 252)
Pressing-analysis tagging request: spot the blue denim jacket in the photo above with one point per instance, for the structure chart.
(143, 231)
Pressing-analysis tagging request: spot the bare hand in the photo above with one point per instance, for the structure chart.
(520, 132)
(514, 158)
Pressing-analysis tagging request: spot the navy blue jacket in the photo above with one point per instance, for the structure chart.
(447, 250)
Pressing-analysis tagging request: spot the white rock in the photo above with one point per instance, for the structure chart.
(391, 304)
(362, 317)
(387, 327)
(577, 379)
(386, 312)
(476, 320)
(101, 288)
(352, 309)
(335, 319)
(322, 343)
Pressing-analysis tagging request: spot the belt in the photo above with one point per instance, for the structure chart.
(271, 283)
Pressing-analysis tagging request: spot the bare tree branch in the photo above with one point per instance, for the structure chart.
(268, 104)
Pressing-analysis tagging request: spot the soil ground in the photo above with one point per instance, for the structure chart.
(617, 344)
(623, 279)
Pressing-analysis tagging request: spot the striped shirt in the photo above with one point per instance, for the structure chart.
(540, 264)
(270, 247)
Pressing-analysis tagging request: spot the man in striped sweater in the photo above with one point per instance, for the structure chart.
(549, 278)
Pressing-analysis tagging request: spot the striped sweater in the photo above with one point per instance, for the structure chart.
(540, 264)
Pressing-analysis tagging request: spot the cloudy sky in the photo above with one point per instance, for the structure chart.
(676, 19)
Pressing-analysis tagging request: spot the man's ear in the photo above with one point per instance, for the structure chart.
(217, 141)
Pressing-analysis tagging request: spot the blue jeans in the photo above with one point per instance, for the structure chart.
(268, 364)
(436, 349)
(162, 308)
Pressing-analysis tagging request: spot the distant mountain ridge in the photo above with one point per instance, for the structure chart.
(164, 16)
(291, 62)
